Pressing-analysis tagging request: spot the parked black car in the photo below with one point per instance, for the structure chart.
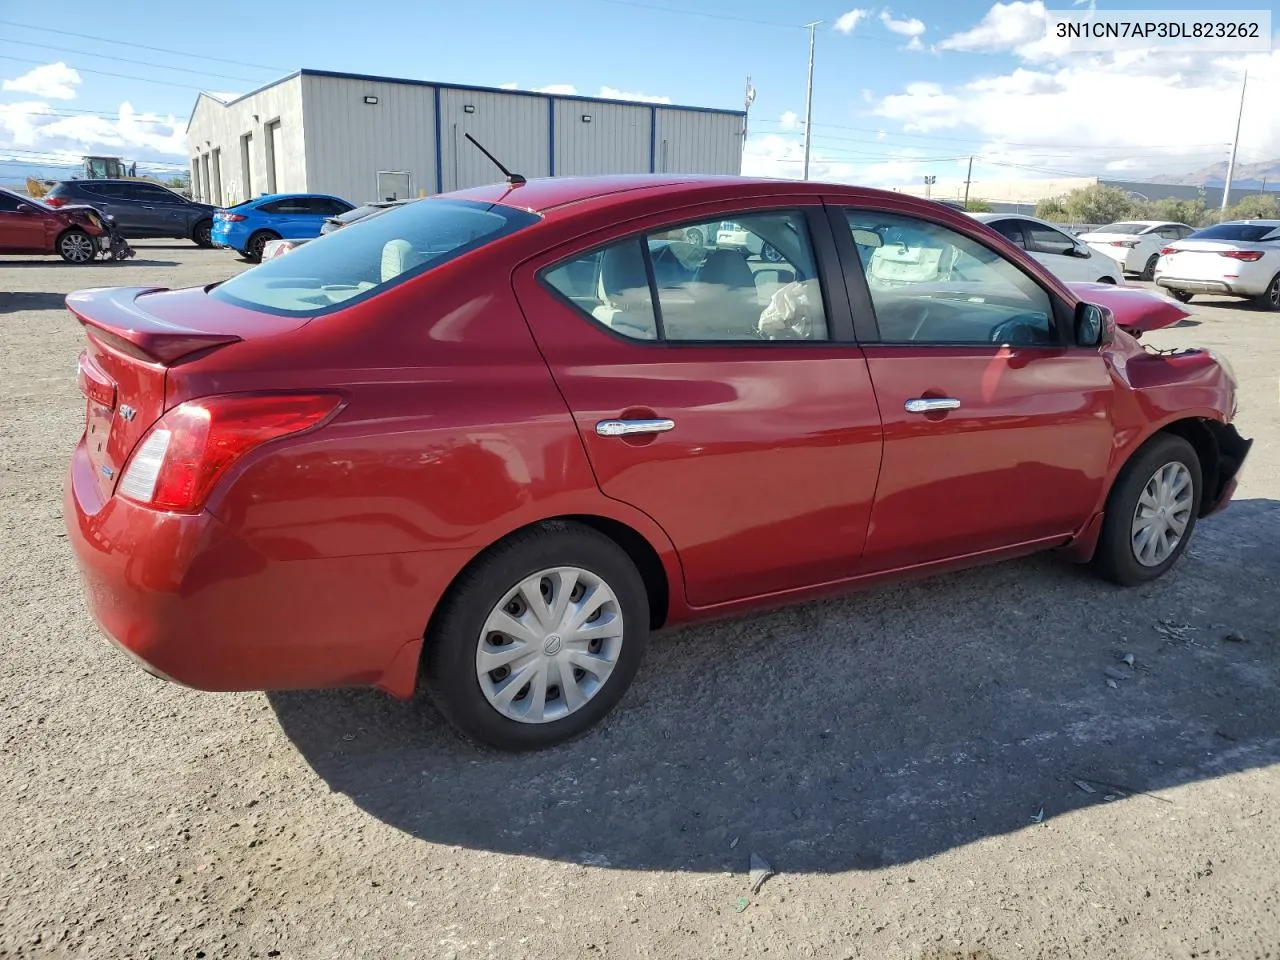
(140, 209)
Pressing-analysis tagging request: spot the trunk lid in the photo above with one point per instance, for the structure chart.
(1136, 310)
(1204, 260)
(135, 334)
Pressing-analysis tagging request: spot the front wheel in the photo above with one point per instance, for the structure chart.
(76, 246)
(539, 639)
(1150, 513)
(1270, 298)
(202, 235)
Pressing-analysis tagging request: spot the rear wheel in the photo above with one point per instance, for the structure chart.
(1269, 299)
(1149, 270)
(1151, 512)
(1110, 280)
(253, 249)
(539, 639)
(202, 235)
(76, 246)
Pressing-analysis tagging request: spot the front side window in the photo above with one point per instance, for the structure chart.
(749, 278)
(1043, 239)
(352, 265)
(930, 284)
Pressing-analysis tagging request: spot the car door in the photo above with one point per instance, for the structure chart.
(21, 231)
(109, 199)
(1056, 250)
(720, 394)
(168, 212)
(997, 430)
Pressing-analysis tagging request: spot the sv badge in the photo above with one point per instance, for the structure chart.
(127, 412)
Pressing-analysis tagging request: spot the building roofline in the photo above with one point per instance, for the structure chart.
(369, 78)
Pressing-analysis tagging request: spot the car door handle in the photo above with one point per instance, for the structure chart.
(930, 404)
(627, 428)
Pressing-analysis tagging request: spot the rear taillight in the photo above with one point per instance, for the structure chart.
(1248, 256)
(1124, 243)
(54, 201)
(1166, 251)
(194, 444)
(229, 217)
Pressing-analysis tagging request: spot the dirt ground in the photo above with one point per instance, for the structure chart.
(936, 771)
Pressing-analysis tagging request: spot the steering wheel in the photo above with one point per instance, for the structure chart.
(1019, 331)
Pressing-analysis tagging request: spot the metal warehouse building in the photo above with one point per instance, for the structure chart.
(364, 138)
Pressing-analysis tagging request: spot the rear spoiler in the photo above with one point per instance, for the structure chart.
(112, 315)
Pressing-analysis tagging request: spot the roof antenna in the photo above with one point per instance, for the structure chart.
(512, 178)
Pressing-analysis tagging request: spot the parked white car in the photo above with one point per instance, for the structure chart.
(1136, 244)
(734, 236)
(1239, 258)
(1069, 258)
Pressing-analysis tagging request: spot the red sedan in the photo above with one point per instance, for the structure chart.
(27, 226)
(490, 440)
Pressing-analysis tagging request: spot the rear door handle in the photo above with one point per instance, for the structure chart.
(627, 428)
(930, 404)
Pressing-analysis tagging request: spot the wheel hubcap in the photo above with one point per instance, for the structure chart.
(1162, 514)
(549, 645)
(77, 248)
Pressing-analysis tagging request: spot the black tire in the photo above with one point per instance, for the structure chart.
(1270, 298)
(76, 246)
(1114, 558)
(253, 249)
(449, 655)
(202, 234)
(1149, 271)
(1110, 280)
(1182, 296)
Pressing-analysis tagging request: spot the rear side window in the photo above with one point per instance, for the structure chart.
(350, 265)
(114, 191)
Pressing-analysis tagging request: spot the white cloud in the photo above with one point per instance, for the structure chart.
(911, 28)
(508, 86)
(226, 97)
(781, 156)
(32, 126)
(847, 22)
(1066, 116)
(610, 93)
(790, 120)
(53, 81)
(561, 89)
(1006, 27)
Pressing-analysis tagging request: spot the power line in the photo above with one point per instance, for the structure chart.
(141, 46)
(136, 63)
(108, 73)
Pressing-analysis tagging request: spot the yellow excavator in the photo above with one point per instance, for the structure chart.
(91, 168)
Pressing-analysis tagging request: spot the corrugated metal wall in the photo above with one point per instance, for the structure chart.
(515, 129)
(690, 141)
(349, 141)
(616, 140)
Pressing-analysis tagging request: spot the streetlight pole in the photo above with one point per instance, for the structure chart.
(1235, 144)
(749, 98)
(808, 98)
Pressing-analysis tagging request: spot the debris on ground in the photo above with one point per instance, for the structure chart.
(733, 843)
(1235, 637)
(741, 905)
(1127, 659)
(1039, 817)
(760, 872)
(1115, 673)
(1084, 786)
(1112, 684)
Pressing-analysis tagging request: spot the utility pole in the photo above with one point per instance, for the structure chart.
(928, 187)
(1235, 144)
(808, 98)
(968, 178)
(749, 98)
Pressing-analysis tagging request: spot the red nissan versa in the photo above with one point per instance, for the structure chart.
(493, 438)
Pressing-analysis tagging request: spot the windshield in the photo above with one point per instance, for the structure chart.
(367, 257)
(1123, 228)
(1238, 232)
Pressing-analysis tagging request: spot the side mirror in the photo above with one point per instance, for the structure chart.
(1081, 250)
(1095, 326)
(26, 208)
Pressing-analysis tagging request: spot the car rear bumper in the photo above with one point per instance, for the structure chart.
(192, 602)
(223, 235)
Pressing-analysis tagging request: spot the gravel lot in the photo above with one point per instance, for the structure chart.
(887, 753)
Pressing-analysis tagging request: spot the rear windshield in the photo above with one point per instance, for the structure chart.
(365, 258)
(1238, 232)
(1124, 228)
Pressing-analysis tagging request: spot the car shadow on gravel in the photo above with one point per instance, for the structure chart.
(17, 302)
(876, 729)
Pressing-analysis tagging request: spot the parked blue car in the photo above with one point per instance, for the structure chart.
(248, 226)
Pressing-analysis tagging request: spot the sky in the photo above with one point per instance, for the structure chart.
(899, 93)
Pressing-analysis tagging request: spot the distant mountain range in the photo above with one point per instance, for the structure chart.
(1245, 176)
